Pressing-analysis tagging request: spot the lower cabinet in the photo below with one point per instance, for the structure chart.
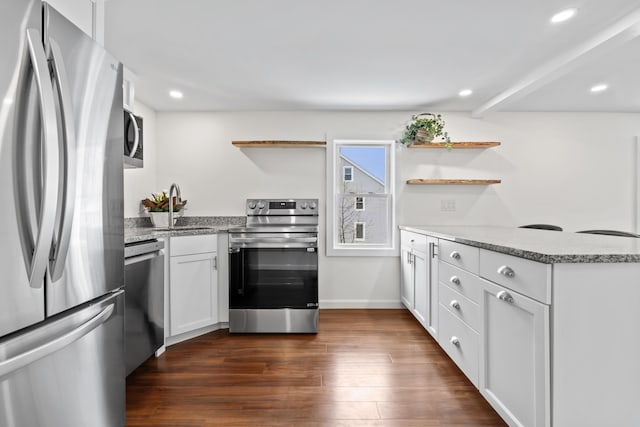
(193, 283)
(419, 278)
(514, 356)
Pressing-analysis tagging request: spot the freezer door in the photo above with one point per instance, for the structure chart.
(20, 303)
(87, 259)
(67, 373)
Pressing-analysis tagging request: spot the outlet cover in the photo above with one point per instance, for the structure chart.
(447, 205)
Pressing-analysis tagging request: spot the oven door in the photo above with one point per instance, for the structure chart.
(264, 276)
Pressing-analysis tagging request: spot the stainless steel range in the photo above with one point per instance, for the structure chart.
(273, 268)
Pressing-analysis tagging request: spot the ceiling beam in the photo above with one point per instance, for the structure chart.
(621, 32)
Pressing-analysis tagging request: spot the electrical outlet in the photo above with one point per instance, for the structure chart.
(447, 205)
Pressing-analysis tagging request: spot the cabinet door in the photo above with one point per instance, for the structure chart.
(514, 356)
(406, 277)
(80, 12)
(421, 287)
(431, 318)
(194, 292)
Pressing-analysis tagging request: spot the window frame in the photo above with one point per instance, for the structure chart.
(333, 247)
(355, 231)
(355, 203)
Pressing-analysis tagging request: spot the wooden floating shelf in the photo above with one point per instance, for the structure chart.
(457, 145)
(276, 144)
(453, 181)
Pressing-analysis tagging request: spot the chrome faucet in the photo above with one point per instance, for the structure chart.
(175, 187)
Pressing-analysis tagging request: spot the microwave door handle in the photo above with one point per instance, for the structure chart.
(37, 266)
(66, 193)
(136, 137)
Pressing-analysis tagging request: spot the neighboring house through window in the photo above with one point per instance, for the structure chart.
(361, 198)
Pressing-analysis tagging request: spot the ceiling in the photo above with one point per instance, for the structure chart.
(235, 55)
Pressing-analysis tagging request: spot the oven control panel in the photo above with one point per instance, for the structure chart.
(279, 207)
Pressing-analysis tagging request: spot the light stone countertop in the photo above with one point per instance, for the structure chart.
(545, 246)
(140, 229)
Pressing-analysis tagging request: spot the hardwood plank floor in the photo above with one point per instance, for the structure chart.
(363, 368)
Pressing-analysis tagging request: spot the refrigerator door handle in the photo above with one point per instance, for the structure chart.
(36, 262)
(136, 137)
(31, 355)
(67, 189)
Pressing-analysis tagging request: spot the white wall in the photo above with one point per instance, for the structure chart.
(570, 169)
(139, 183)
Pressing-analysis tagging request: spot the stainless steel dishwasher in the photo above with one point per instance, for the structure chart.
(144, 301)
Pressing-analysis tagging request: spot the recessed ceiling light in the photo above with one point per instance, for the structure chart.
(563, 16)
(465, 92)
(176, 94)
(599, 88)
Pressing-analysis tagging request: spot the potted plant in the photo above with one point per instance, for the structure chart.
(424, 128)
(158, 207)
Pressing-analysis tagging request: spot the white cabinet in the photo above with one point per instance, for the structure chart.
(514, 355)
(193, 283)
(80, 12)
(419, 278)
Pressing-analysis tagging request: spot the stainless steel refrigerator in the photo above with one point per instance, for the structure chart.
(61, 224)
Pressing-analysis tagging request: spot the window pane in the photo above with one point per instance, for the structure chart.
(368, 165)
(375, 220)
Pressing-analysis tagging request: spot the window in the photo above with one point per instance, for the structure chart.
(347, 174)
(359, 170)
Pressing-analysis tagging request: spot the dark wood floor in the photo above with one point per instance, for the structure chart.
(364, 367)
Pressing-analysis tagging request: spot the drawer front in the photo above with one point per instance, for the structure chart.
(460, 342)
(413, 240)
(461, 307)
(463, 256)
(189, 245)
(460, 281)
(530, 278)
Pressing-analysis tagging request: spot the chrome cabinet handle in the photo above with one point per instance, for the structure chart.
(455, 304)
(215, 262)
(455, 280)
(505, 296)
(67, 191)
(507, 271)
(455, 341)
(455, 255)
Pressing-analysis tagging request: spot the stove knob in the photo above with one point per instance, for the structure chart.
(260, 204)
(313, 205)
(304, 205)
(252, 205)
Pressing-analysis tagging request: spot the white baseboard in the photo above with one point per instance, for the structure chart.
(357, 303)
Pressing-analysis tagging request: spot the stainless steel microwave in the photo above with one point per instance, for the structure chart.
(133, 140)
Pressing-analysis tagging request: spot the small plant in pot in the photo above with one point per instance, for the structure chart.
(424, 128)
(158, 208)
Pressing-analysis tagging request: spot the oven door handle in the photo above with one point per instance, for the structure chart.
(274, 240)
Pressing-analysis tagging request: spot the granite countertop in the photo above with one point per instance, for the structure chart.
(140, 229)
(539, 245)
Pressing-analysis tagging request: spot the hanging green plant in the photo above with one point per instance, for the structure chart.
(424, 128)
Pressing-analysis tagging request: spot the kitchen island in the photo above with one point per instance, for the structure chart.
(546, 324)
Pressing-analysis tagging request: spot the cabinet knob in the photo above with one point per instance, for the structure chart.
(455, 304)
(505, 270)
(505, 296)
(455, 280)
(455, 255)
(412, 240)
(455, 341)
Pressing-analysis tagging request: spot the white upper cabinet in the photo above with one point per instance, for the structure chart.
(80, 12)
